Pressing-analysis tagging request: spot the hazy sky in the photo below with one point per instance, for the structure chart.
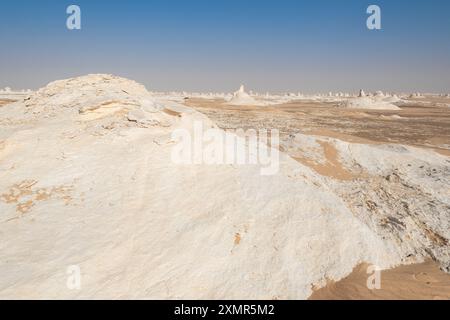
(214, 45)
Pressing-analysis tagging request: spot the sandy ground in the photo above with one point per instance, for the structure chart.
(421, 123)
(417, 124)
(413, 282)
(4, 102)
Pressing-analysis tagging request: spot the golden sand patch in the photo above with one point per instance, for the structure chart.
(5, 102)
(237, 239)
(171, 112)
(242, 231)
(24, 207)
(18, 191)
(102, 113)
(443, 152)
(438, 140)
(25, 196)
(332, 167)
(355, 139)
(423, 281)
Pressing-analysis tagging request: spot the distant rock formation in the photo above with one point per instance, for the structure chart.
(241, 98)
(374, 103)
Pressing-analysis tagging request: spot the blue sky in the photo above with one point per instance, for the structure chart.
(275, 45)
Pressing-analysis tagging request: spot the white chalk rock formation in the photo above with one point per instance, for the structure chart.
(374, 103)
(91, 181)
(395, 197)
(241, 98)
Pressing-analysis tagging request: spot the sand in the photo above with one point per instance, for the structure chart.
(5, 102)
(414, 282)
(332, 167)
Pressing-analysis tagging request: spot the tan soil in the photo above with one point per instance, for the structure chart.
(332, 167)
(5, 102)
(413, 282)
(420, 126)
